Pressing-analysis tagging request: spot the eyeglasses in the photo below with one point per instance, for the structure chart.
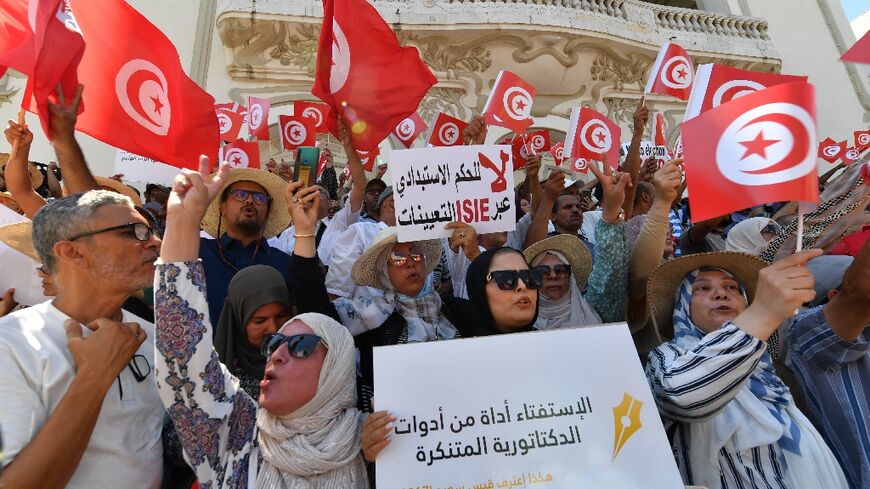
(139, 230)
(140, 368)
(560, 271)
(509, 279)
(299, 345)
(374, 191)
(399, 259)
(240, 195)
(41, 269)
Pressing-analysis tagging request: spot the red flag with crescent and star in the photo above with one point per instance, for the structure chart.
(368, 158)
(831, 151)
(241, 154)
(408, 130)
(510, 103)
(862, 140)
(296, 131)
(716, 84)
(137, 96)
(318, 112)
(446, 130)
(756, 149)
(672, 73)
(558, 152)
(258, 118)
(231, 118)
(590, 135)
(364, 74)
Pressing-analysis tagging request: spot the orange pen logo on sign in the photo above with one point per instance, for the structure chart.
(626, 422)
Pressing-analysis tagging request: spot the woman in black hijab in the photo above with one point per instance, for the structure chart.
(257, 304)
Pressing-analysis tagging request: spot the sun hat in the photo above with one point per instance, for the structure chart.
(36, 177)
(572, 248)
(279, 217)
(106, 183)
(19, 237)
(367, 269)
(665, 279)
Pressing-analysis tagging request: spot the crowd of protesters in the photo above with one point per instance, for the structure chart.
(220, 332)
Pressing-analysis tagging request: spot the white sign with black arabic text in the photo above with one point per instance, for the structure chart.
(141, 169)
(435, 186)
(561, 409)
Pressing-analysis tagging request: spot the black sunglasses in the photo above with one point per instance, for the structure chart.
(509, 279)
(299, 345)
(139, 367)
(560, 271)
(139, 230)
(240, 195)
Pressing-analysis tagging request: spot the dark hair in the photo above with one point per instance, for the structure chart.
(562, 194)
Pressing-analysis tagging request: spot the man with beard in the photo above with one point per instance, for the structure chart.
(78, 405)
(248, 211)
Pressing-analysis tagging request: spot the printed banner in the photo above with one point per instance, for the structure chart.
(571, 415)
(141, 169)
(435, 186)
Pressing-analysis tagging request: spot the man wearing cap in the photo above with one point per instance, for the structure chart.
(829, 351)
(248, 210)
(351, 244)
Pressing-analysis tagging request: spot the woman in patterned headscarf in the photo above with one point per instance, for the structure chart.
(735, 422)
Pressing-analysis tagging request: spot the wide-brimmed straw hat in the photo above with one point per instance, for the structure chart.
(19, 237)
(572, 248)
(664, 280)
(36, 177)
(279, 217)
(368, 267)
(115, 186)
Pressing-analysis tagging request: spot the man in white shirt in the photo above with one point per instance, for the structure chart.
(79, 406)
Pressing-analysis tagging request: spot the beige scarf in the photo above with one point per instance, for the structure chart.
(318, 445)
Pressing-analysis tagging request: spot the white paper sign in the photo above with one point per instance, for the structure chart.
(435, 186)
(563, 409)
(19, 270)
(141, 169)
(647, 149)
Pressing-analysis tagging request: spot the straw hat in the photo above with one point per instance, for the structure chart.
(367, 268)
(279, 217)
(106, 183)
(664, 280)
(19, 237)
(572, 248)
(36, 177)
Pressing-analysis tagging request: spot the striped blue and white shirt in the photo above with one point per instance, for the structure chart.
(692, 386)
(834, 375)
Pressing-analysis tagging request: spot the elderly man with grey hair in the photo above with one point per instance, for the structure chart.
(78, 407)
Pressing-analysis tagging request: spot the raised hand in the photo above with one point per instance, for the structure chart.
(344, 136)
(475, 132)
(667, 181)
(62, 115)
(21, 133)
(614, 184)
(193, 191)
(554, 185)
(464, 236)
(641, 115)
(301, 205)
(533, 167)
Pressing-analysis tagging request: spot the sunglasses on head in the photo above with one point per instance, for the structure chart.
(240, 195)
(560, 271)
(299, 345)
(509, 279)
(400, 258)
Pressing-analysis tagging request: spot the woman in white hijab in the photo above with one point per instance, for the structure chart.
(305, 433)
(751, 235)
(565, 300)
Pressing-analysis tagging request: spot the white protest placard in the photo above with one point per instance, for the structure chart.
(647, 149)
(435, 186)
(563, 409)
(19, 270)
(141, 169)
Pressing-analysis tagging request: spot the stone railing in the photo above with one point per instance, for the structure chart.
(699, 21)
(612, 8)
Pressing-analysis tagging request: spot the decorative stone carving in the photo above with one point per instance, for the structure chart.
(442, 99)
(299, 49)
(6, 93)
(442, 54)
(621, 111)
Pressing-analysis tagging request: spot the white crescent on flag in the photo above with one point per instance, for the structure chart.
(143, 93)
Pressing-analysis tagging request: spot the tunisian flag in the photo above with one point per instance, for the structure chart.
(296, 131)
(558, 152)
(368, 158)
(830, 150)
(862, 140)
(672, 73)
(363, 73)
(716, 84)
(241, 154)
(32, 49)
(446, 130)
(258, 118)
(315, 111)
(231, 117)
(408, 130)
(759, 148)
(590, 135)
(510, 103)
(138, 97)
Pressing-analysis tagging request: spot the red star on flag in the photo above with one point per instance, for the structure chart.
(757, 146)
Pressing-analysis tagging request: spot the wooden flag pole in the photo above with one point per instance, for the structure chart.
(800, 231)
(14, 150)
